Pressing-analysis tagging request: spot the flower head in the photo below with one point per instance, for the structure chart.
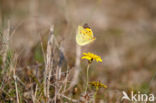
(97, 84)
(90, 57)
(86, 98)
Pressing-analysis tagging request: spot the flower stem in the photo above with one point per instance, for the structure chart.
(87, 78)
(95, 94)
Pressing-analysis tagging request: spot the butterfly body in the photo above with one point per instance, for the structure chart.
(84, 35)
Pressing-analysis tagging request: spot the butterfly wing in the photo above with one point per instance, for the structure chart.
(84, 36)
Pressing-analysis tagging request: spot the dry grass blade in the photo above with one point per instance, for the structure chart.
(70, 99)
(13, 68)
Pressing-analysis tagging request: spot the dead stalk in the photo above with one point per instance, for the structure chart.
(5, 46)
(17, 96)
(65, 81)
(49, 63)
(77, 68)
(15, 79)
(48, 83)
(34, 94)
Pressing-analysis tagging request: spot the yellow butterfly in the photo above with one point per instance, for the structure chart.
(84, 35)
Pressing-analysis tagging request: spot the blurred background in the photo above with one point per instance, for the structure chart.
(125, 32)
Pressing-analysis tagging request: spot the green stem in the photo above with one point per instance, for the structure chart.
(95, 93)
(87, 78)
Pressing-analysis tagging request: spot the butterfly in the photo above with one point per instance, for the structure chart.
(84, 35)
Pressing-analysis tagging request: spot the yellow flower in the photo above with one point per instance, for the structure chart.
(98, 84)
(90, 57)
